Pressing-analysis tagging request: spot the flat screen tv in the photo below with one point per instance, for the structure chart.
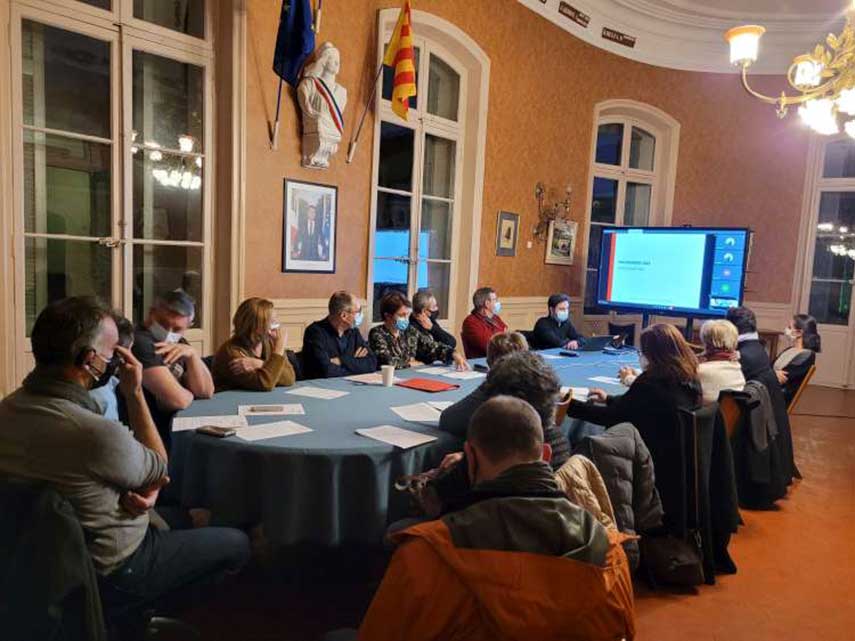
(677, 271)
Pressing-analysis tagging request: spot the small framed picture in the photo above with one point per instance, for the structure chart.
(309, 227)
(507, 234)
(561, 242)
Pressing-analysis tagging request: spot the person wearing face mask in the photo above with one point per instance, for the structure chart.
(173, 373)
(53, 433)
(482, 323)
(793, 363)
(107, 390)
(334, 346)
(516, 540)
(397, 343)
(555, 329)
(259, 337)
(425, 315)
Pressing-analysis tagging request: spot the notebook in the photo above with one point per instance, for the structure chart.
(427, 385)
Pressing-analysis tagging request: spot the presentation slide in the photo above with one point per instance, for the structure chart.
(696, 271)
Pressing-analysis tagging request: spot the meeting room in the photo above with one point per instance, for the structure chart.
(422, 320)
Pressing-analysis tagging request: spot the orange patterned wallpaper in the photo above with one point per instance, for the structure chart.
(738, 164)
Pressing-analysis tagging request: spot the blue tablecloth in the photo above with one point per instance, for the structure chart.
(330, 486)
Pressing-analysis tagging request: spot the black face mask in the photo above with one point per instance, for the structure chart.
(109, 371)
(434, 315)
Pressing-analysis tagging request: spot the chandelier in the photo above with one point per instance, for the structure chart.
(824, 77)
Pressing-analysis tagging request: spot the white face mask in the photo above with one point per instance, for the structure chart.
(161, 335)
(275, 325)
(643, 362)
(789, 332)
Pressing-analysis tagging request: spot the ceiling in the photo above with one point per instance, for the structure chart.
(688, 34)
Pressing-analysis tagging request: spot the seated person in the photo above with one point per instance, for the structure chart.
(173, 373)
(719, 367)
(456, 577)
(397, 343)
(455, 418)
(482, 323)
(254, 357)
(334, 346)
(425, 315)
(793, 364)
(107, 390)
(53, 432)
(555, 329)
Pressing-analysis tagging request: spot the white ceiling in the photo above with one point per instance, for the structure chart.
(688, 34)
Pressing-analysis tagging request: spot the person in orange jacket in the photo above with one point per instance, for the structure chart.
(518, 562)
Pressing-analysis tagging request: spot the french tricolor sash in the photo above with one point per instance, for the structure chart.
(328, 96)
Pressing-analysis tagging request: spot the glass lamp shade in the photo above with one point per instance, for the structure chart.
(846, 102)
(820, 116)
(744, 43)
(808, 72)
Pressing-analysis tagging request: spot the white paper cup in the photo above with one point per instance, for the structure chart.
(388, 374)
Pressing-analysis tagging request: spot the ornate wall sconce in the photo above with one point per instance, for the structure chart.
(548, 213)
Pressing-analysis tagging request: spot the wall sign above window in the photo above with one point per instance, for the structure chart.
(581, 19)
(618, 37)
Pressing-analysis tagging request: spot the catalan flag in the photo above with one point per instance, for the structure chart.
(401, 55)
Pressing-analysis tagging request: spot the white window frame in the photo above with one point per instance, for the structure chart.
(107, 26)
(423, 124)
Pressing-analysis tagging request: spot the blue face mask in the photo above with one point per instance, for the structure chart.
(562, 315)
(497, 307)
(402, 324)
(357, 319)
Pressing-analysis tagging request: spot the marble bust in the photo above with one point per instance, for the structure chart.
(322, 101)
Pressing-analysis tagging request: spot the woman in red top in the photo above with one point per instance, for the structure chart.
(482, 323)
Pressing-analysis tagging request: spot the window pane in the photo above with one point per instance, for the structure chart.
(392, 237)
(436, 276)
(830, 302)
(388, 275)
(835, 234)
(389, 79)
(184, 16)
(101, 4)
(443, 89)
(169, 103)
(594, 240)
(167, 196)
(637, 208)
(396, 157)
(435, 236)
(66, 186)
(439, 166)
(642, 148)
(57, 269)
(839, 159)
(162, 268)
(604, 201)
(65, 80)
(609, 143)
(591, 293)
(831, 261)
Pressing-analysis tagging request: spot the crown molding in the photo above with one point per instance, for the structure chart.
(681, 34)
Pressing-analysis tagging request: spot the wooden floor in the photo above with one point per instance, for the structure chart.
(796, 578)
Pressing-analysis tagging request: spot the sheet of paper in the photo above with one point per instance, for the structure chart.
(317, 392)
(396, 436)
(608, 380)
(372, 378)
(271, 410)
(271, 430)
(551, 357)
(464, 376)
(185, 423)
(417, 413)
(434, 371)
(441, 405)
(580, 393)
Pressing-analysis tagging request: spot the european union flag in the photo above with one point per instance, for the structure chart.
(295, 41)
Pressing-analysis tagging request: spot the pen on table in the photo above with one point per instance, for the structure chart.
(267, 408)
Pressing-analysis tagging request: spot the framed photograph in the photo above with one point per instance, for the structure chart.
(507, 234)
(561, 242)
(309, 227)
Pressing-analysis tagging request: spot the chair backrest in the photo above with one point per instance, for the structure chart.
(695, 425)
(792, 407)
(561, 407)
(627, 331)
(731, 411)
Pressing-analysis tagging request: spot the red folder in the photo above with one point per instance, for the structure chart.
(427, 385)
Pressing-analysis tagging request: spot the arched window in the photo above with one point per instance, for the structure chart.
(429, 170)
(633, 162)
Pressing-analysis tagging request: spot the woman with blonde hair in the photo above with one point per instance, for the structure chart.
(719, 368)
(254, 357)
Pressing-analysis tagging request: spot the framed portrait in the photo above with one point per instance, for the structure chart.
(507, 234)
(561, 242)
(309, 227)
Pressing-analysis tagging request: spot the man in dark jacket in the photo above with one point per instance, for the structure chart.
(425, 315)
(333, 346)
(555, 329)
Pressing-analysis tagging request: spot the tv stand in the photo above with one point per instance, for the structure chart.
(688, 331)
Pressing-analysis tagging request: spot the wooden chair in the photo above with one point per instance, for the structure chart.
(792, 406)
(561, 407)
(730, 410)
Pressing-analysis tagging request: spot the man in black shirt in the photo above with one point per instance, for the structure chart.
(333, 346)
(423, 318)
(556, 330)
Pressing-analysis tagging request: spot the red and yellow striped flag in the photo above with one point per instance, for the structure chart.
(401, 55)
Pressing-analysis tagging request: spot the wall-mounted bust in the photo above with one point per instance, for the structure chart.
(322, 101)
